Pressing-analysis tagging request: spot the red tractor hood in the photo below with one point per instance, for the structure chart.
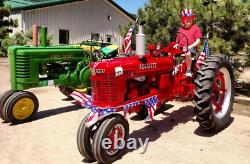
(132, 66)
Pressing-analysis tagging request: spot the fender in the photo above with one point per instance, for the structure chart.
(84, 76)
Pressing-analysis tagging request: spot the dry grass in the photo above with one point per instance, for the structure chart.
(245, 75)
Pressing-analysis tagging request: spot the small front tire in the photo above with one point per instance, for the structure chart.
(20, 107)
(85, 139)
(3, 99)
(112, 127)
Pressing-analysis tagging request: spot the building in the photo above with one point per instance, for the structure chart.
(71, 21)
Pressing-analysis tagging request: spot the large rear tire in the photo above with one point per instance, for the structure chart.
(214, 93)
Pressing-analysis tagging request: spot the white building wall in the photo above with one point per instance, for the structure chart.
(16, 15)
(80, 18)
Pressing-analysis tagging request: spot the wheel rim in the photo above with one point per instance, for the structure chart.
(222, 92)
(23, 108)
(119, 132)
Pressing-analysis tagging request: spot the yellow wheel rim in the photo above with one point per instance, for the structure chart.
(23, 108)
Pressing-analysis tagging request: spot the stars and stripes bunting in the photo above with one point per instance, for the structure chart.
(84, 99)
(92, 119)
(98, 113)
(151, 107)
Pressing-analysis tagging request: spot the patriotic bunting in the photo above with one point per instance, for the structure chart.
(98, 113)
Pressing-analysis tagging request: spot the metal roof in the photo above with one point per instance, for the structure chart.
(34, 4)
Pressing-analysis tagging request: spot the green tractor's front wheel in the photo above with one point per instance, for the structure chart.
(20, 107)
(3, 99)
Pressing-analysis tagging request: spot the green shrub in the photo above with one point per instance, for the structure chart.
(19, 39)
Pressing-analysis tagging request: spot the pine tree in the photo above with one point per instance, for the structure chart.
(5, 23)
(227, 22)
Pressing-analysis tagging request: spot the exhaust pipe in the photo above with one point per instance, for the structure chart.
(140, 41)
(43, 34)
(35, 35)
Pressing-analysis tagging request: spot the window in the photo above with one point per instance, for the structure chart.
(109, 38)
(63, 36)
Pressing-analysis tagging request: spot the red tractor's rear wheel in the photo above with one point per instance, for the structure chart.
(214, 93)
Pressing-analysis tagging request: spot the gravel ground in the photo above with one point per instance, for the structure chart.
(174, 135)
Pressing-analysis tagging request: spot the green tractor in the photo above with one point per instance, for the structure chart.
(65, 66)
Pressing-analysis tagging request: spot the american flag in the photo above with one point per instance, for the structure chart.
(151, 107)
(92, 119)
(98, 113)
(127, 41)
(84, 99)
(203, 55)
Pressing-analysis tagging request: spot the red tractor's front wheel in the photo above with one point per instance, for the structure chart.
(110, 139)
(214, 93)
(85, 138)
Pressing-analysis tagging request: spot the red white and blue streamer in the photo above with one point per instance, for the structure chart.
(98, 113)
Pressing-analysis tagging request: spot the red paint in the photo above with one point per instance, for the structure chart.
(110, 90)
(219, 91)
(35, 35)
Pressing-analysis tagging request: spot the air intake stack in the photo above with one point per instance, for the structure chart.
(140, 41)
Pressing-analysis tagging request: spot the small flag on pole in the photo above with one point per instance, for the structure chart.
(203, 55)
(128, 40)
(151, 107)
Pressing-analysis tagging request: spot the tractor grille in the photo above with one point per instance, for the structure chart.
(22, 66)
(104, 90)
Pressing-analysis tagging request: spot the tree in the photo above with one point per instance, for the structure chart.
(21, 38)
(227, 22)
(5, 23)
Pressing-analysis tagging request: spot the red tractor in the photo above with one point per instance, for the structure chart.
(142, 84)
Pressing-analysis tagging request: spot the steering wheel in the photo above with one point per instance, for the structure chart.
(183, 36)
(97, 55)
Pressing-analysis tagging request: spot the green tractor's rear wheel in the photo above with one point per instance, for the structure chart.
(214, 93)
(3, 99)
(20, 107)
(66, 91)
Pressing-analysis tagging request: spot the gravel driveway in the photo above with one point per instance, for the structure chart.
(174, 135)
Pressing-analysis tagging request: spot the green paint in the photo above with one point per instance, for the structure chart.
(32, 67)
(43, 32)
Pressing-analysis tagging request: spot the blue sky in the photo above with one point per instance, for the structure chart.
(131, 5)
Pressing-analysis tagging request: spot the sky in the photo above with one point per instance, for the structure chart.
(131, 5)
